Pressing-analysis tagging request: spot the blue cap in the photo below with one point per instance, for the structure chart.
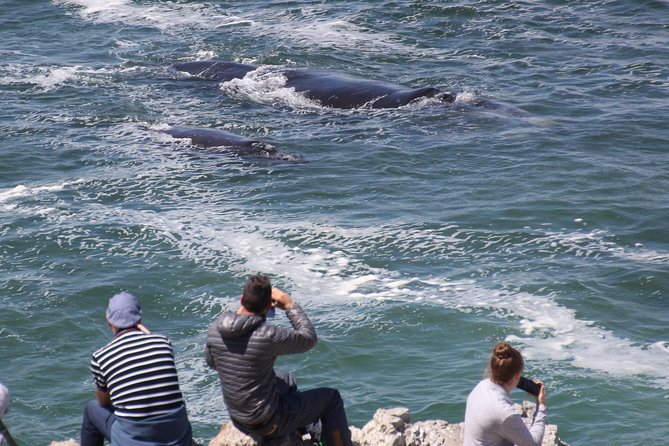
(124, 310)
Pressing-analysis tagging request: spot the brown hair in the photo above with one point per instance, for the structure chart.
(505, 362)
(257, 294)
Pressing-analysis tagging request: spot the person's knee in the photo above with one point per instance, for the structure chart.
(95, 413)
(335, 395)
(90, 407)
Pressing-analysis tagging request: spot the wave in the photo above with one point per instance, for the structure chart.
(167, 17)
(326, 263)
(21, 191)
(308, 28)
(49, 78)
(46, 78)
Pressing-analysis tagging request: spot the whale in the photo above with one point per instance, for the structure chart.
(229, 143)
(328, 89)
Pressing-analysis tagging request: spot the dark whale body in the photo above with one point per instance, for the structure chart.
(229, 142)
(330, 90)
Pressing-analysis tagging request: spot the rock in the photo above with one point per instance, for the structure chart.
(73, 442)
(435, 433)
(385, 429)
(388, 427)
(229, 435)
(393, 427)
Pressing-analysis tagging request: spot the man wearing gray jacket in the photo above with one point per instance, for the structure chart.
(242, 348)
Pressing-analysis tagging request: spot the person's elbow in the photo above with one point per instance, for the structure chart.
(209, 357)
(307, 341)
(313, 340)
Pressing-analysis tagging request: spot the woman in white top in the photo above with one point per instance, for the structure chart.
(489, 418)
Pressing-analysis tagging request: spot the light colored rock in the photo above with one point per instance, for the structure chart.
(393, 427)
(70, 442)
(229, 435)
(433, 433)
(551, 437)
(385, 429)
(388, 427)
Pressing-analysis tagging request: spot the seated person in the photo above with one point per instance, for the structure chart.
(138, 400)
(489, 417)
(242, 347)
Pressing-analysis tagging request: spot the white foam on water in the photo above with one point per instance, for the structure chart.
(53, 77)
(466, 98)
(308, 29)
(339, 34)
(267, 86)
(554, 332)
(551, 331)
(21, 190)
(18, 191)
(207, 55)
(596, 243)
(314, 26)
(49, 78)
(165, 16)
(234, 241)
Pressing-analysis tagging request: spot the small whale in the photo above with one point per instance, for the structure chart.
(229, 143)
(328, 89)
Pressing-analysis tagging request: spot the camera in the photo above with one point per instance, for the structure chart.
(529, 386)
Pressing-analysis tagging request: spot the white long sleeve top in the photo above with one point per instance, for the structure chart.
(491, 421)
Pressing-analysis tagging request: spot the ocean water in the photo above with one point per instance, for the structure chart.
(415, 238)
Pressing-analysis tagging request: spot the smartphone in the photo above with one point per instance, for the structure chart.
(270, 313)
(529, 386)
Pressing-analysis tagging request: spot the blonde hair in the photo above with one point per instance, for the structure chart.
(505, 362)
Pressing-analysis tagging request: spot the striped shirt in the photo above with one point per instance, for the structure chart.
(138, 371)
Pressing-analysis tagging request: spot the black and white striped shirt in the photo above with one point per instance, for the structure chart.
(138, 371)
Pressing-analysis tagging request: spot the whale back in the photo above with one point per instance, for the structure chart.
(328, 89)
(230, 143)
(205, 137)
(339, 91)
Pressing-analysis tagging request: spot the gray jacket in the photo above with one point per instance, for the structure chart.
(243, 348)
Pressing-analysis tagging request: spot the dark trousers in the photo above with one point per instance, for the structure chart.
(100, 423)
(97, 424)
(298, 409)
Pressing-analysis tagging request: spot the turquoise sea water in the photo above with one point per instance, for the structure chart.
(415, 238)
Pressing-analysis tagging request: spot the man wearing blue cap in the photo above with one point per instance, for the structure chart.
(138, 400)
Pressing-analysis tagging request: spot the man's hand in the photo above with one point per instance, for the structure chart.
(281, 300)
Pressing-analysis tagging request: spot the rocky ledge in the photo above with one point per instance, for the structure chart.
(388, 427)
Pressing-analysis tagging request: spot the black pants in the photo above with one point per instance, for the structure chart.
(298, 409)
